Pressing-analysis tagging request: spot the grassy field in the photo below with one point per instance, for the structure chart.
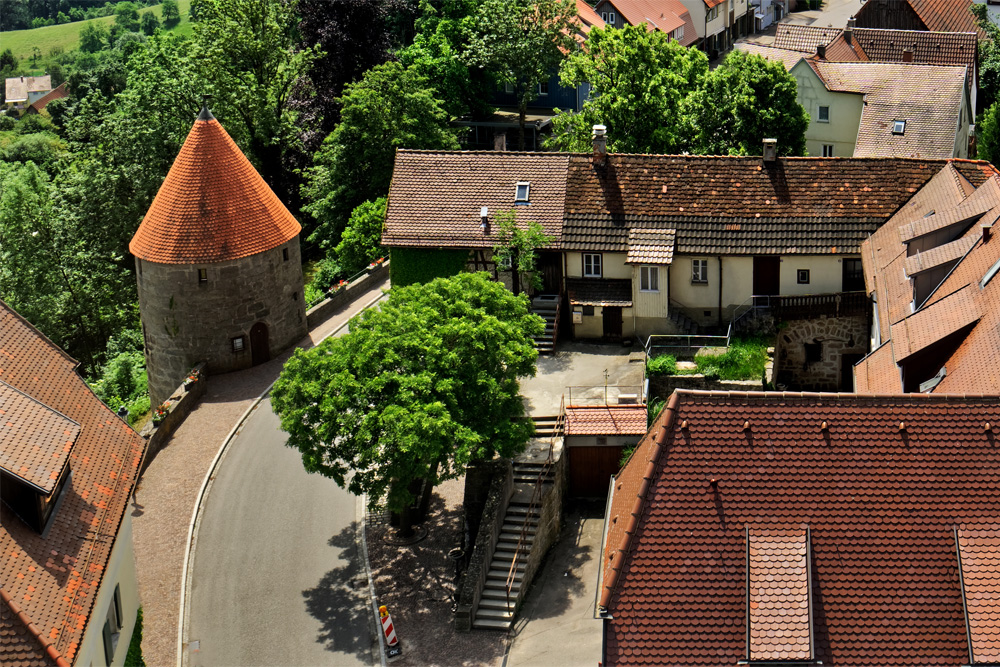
(67, 35)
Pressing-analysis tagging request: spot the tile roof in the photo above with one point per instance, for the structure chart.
(933, 323)
(606, 420)
(435, 197)
(54, 579)
(979, 554)
(213, 206)
(599, 291)
(778, 583)
(929, 48)
(650, 246)
(587, 17)
(18, 87)
(938, 255)
(927, 97)
(804, 38)
(56, 93)
(946, 15)
(880, 504)
(878, 373)
(662, 15)
(35, 440)
(19, 646)
(787, 57)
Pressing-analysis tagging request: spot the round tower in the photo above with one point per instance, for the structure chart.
(217, 264)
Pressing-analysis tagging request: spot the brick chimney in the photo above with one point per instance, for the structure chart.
(821, 51)
(908, 55)
(770, 150)
(849, 31)
(600, 145)
(500, 141)
(987, 232)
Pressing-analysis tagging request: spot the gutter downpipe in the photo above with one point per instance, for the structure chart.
(720, 291)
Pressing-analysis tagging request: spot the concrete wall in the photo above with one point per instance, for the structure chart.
(662, 386)
(835, 336)
(612, 264)
(186, 321)
(120, 571)
(845, 114)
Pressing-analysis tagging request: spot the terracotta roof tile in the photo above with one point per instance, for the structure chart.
(19, 646)
(35, 440)
(946, 15)
(650, 246)
(55, 578)
(934, 322)
(212, 207)
(930, 48)
(979, 553)
(804, 38)
(878, 373)
(788, 57)
(778, 598)
(56, 93)
(880, 504)
(938, 255)
(606, 420)
(587, 17)
(599, 292)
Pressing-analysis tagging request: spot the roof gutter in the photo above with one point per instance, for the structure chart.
(50, 649)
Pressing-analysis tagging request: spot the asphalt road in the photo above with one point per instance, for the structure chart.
(276, 577)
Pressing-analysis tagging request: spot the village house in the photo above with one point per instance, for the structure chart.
(931, 272)
(68, 588)
(636, 237)
(805, 529)
(932, 15)
(669, 16)
(21, 91)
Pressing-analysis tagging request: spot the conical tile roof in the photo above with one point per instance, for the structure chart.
(213, 206)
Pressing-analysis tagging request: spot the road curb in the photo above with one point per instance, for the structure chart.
(203, 491)
(362, 536)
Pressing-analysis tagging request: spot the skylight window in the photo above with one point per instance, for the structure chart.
(522, 192)
(899, 127)
(989, 275)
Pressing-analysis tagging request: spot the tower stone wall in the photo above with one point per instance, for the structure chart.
(188, 317)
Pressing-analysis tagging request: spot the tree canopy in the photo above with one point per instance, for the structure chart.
(415, 390)
(639, 81)
(517, 247)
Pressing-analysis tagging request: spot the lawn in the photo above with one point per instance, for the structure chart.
(743, 360)
(67, 35)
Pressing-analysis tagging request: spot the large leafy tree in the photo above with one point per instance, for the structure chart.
(391, 107)
(988, 134)
(640, 81)
(361, 242)
(989, 57)
(415, 391)
(522, 42)
(745, 100)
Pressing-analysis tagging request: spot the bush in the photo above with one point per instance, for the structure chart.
(420, 265)
(665, 364)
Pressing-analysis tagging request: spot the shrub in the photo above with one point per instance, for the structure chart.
(665, 364)
(744, 360)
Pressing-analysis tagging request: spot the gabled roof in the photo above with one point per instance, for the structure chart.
(662, 15)
(56, 93)
(18, 87)
(929, 48)
(54, 579)
(928, 98)
(931, 15)
(35, 440)
(804, 38)
(787, 57)
(650, 246)
(587, 17)
(213, 206)
(606, 420)
(880, 503)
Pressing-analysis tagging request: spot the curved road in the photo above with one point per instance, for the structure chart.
(275, 575)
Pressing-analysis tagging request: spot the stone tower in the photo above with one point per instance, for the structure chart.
(217, 263)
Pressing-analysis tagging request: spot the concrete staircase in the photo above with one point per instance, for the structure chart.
(546, 306)
(496, 609)
(685, 325)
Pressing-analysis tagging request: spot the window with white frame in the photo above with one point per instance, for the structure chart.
(543, 88)
(521, 192)
(508, 88)
(649, 279)
(827, 150)
(611, 18)
(699, 271)
(113, 624)
(592, 265)
(713, 13)
(899, 127)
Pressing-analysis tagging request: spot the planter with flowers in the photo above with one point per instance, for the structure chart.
(193, 377)
(160, 413)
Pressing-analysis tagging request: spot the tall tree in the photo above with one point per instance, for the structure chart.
(522, 42)
(989, 57)
(171, 13)
(640, 81)
(415, 391)
(988, 134)
(391, 107)
(517, 247)
(361, 242)
(745, 100)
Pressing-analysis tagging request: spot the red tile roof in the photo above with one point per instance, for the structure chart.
(54, 579)
(778, 583)
(57, 93)
(606, 420)
(979, 553)
(35, 440)
(947, 15)
(650, 246)
(880, 503)
(804, 38)
(213, 206)
(587, 17)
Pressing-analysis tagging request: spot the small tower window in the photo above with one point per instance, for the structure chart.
(284, 254)
(238, 344)
(521, 193)
(203, 275)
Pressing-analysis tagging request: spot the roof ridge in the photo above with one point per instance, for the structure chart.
(836, 396)
(5, 307)
(41, 403)
(49, 648)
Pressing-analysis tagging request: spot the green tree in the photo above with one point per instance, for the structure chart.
(149, 23)
(93, 37)
(171, 13)
(418, 388)
(640, 81)
(517, 247)
(126, 16)
(988, 134)
(391, 107)
(522, 42)
(989, 57)
(745, 100)
(361, 242)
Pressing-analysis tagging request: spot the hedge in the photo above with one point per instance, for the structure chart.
(421, 265)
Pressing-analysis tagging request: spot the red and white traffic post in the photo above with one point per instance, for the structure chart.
(393, 649)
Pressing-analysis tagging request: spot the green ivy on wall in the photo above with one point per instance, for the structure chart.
(420, 265)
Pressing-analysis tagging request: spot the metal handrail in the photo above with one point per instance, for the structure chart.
(682, 341)
(536, 497)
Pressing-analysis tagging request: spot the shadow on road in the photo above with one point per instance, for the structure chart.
(334, 601)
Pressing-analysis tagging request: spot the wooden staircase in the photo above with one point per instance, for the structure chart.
(547, 306)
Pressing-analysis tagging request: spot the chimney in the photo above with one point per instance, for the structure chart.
(987, 232)
(849, 32)
(821, 51)
(908, 55)
(600, 145)
(770, 150)
(500, 142)
(852, 23)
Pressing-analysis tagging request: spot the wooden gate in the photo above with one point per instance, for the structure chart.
(591, 468)
(612, 317)
(766, 275)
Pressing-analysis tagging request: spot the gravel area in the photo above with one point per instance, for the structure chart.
(416, 582)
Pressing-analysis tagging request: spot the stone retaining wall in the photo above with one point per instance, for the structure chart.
(326, 308)
(181, 402)
(810, 352)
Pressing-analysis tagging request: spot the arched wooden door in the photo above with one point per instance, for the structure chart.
(259, 350)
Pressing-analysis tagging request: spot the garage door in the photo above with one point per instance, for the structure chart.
(590, 469)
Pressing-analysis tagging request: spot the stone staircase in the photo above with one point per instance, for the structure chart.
(496, 611)
(685, 325)
(547, 307)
